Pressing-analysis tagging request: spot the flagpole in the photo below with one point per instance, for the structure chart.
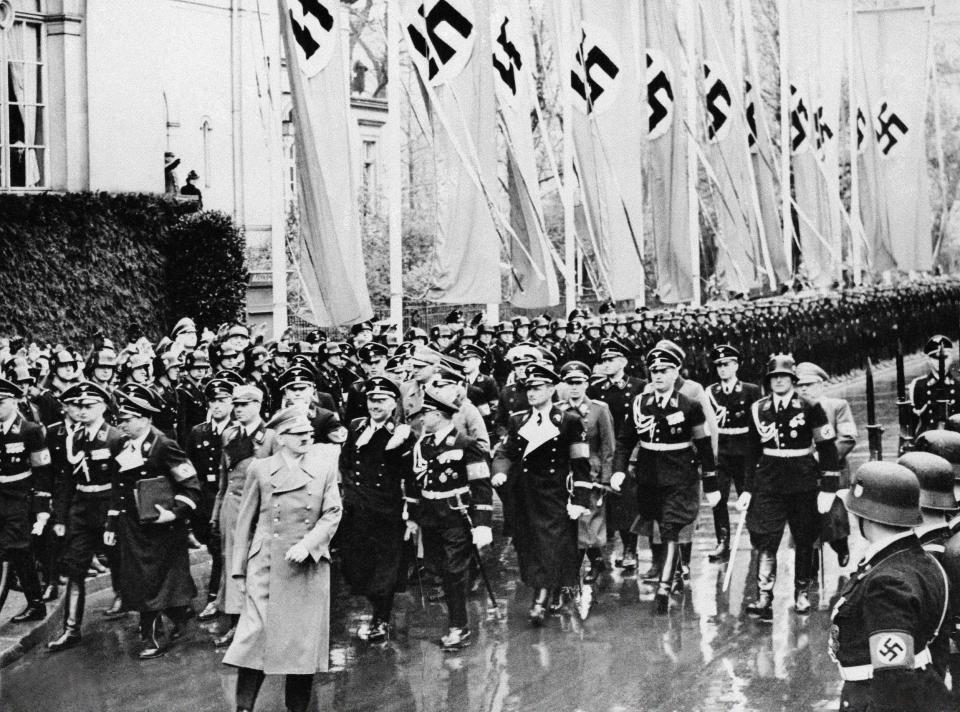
(785, 136)
(393, 157)
(278, 237)
(693, 203)
(938, 131)
(569, 241)
(856, 247)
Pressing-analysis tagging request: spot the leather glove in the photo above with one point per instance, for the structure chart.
(713, 499)
(575, 511)
(411, 531)
(825, 501)
(499, 479)
(743, 502)
(616, 481)
(482, 536)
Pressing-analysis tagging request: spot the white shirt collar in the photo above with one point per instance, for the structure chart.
(138, 442)
(249, 428)
(92, 430)
(218, 426)
(782, 400)
(877, 546)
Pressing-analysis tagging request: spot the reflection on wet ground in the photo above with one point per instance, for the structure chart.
(706, 655)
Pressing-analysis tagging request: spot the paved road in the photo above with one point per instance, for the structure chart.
(705, 656)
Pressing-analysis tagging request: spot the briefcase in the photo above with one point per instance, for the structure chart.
(150, 492)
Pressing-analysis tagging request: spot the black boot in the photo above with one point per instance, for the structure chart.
(762, 608)
(722, 552)
(652, 575)
(115, 610)
(843, 551)
(75, 598)
(538, 610)
(151, 629)
(801, 597)
(668, 567)
(36, 609)
(682, 575)
(556, 599)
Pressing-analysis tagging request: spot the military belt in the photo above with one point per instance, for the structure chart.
(786, 452)
(664, 446)
(859, 673)
(733, 431)
(4, 479)
(427, 494)
(92, 489)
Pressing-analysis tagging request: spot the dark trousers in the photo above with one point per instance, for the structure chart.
(449, 551)
(768, 516)
(297, 689)
(23, 565)
(382, 606)
(731, 469)
(215, 547)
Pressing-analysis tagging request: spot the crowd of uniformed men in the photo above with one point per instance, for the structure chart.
(589, 429)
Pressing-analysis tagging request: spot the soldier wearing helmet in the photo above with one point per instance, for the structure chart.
(788, 484)
(890, 610)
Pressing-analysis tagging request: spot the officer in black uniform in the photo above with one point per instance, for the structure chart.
(330, 360)
(204, 448)
(376, 469)
(190, 394)
(788, 485)
(732, 400)
(544, 449)
(373, 357)
(297, 386)
(481, 389)
(82, 499)
(890, 610)
(618, 391)
(452, 506)
(670, 429)
(167, 368)
(154, 558)
(24, 473)
(925, 391)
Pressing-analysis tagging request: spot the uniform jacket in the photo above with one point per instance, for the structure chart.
(193, 409)
(89, 466)
(204, 447)
(376, 467)
(923, 391)
(618, 397)
(513, 400)
(285, 624)
(25, 461)
(797, 429)
(840, 417)
(455, 464)
(733, 416)
(469, 421)
(599, 431)
(553, 450)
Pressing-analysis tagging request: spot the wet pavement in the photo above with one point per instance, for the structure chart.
(705, 655)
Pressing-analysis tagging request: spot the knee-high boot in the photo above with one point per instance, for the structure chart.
(766, 578)
(538, 610)
(668, 566)
(75, 599)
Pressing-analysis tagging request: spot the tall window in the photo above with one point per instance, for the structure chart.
(206, 147)
(23, 154)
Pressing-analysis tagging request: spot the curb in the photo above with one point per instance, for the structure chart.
(29, 638)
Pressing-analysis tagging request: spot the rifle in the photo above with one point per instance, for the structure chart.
(874, 430)
(904, 406)
(943, 398)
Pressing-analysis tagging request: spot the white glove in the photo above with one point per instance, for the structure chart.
(109, 538)
(59, 529)
(297, 554)
(499, 479)
(165, 515)
(743, 502)
(40, 523)
(575, 511)
(482, 536)
(616, 481)
(842, 494)
(713, 498)
(411, 531)
(825, 501)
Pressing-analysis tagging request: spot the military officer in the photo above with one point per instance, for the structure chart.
(297, 386)
(889, 611)
(598, 428)
(167, 369)
(82, 499)
(204, 447)
(926, 392)
(481, 389)
(330, 360)
(154, 557)
(788, 485)
(545, 447)
(373, 358)
(732, 400)
(64, 373)
(452, 507)
(24, 472)
(376, 469)
(670, 428)
(618, 391)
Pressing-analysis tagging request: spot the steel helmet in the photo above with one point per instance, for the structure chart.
(887, 493)
(935, 476)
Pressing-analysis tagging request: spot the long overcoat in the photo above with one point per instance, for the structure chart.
(284, 626)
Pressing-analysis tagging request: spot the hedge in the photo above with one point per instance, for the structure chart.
(76, 264)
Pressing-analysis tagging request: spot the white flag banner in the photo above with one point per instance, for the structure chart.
(739, 259)
(449, 43)
(603, 77)
(890, 57)
(666, 140)
(535, 277)
(815, 65)
(331, 266)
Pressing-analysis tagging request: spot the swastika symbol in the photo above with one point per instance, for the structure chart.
(888, 121)
(312, 26)
(751, 115)
(448, 31)
(507, 70)
(821, 129)
(891, 649)
(584, 64)
(798, 121)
